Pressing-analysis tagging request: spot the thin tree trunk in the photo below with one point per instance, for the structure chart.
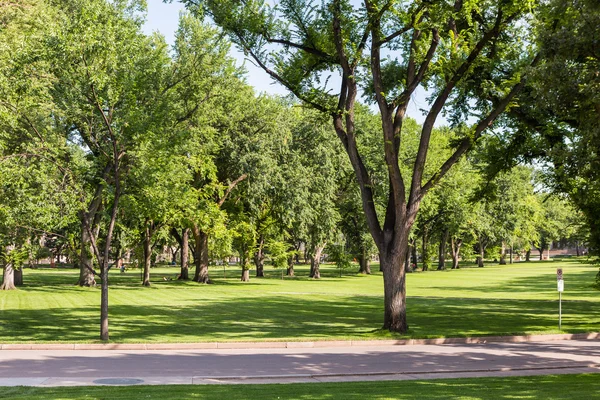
(8, 277)
(528, 255)
(147, 253)
(503, 254)
(185, 271)
(259, 258)
(407, 267)
(426, 260)
(315, 262)
(414, 255)
(481, 254)
(291, 259)
(511, 252)
(577, 248)
(442, 250)
(364, 262)
(245, 262)
(455, 244)
(104, 335)
(86, 266)
(290, 268)
(201, 256)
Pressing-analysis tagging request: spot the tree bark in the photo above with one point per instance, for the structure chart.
(201, 256)
(104, 335)
(407, 267)
(290, 268)
(503, 254)
(391, 257)
(426, 260)
(455, 244)
(245, 275)
(147, 253)
(8, 277)
(528, 255)
(259, 258)
(481, 255)
(541, 250)
(442, 250)
(315, 262)
(364, 261)
(185, 271)
(86, 266)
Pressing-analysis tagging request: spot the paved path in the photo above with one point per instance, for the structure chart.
(83, 367)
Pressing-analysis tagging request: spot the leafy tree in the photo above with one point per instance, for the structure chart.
(555, 120)
(435, 44)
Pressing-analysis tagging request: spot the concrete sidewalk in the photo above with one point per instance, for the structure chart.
(298, 344)
(285, 365)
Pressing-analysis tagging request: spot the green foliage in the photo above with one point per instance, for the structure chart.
(279, 253)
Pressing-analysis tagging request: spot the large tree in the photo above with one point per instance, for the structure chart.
(558, 115)
(388, 49)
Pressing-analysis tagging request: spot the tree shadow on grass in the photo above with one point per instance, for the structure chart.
(303, 317)
(551, 387)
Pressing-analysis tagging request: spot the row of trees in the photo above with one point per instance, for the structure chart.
(112, 141)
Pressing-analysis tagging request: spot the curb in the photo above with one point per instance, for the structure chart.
(423, 372)
(301, 345)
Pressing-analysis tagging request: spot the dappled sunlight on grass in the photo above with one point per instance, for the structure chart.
(496, 300)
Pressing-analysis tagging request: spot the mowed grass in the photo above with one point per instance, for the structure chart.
(495, 300)
(550, 387)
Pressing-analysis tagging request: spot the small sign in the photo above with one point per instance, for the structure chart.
(561, 286)
(559, 274)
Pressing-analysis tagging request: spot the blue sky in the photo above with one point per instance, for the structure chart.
(164, 18)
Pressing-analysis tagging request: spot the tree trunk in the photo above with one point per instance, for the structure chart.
(528, 255)
(290, 268)
(8, 277)
(455, 244)
(541, 250)
(201, 256)
(481, 254)
(245, 275)
(364, 262)
(414, 256)
(407, 267)
(442, 251)
(86, 266)
(104, 336)
(259, 258)
(425, 250)
(185, 271)
(394, 284)
(577, 248)
(147, 253)
(511, 253)
(18, 276)
(503, 254)
(315, 263)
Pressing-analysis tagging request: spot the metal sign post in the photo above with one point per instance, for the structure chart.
(561, 287)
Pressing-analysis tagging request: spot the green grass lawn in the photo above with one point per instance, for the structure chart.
(550, 387)
(495, 300)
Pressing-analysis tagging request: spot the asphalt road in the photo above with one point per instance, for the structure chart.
(83, 367)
